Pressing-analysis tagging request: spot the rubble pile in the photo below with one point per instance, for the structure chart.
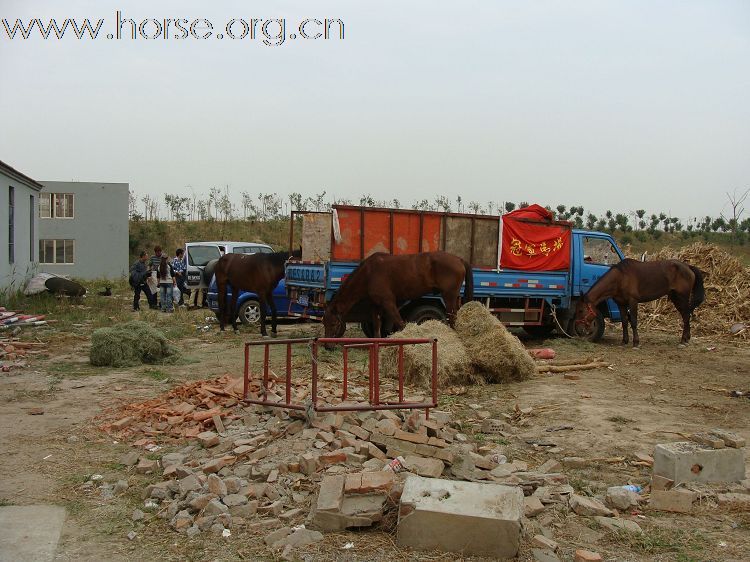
(14, 351)
(290, 477)
(184, 411)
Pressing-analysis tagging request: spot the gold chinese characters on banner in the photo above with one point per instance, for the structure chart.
(547, 247)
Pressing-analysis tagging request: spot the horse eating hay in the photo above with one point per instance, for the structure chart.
(384, 280)
(631, 282)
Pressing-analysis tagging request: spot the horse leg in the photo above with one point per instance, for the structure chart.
(624, 317)
(376, 322)
(682, 304)
(452, 304)
(634, 322)
(272, 303)
(391, 310)
(262, 309)
(233, 309)
(221, 287)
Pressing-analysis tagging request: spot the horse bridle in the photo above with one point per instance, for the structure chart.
(590, 315)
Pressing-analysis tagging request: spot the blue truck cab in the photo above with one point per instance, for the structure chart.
(537, 301)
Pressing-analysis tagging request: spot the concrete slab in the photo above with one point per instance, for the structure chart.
(30, 533)
(465, 517)
(686, 461)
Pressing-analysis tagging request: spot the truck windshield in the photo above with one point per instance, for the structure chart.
(201, 255)
(599, 251)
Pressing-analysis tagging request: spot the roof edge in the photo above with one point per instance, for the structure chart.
(20, 177)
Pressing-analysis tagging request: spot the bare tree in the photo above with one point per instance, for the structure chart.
(736, 202)
(295, 201)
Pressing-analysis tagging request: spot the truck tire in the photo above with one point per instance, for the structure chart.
(594, 332)
(539, 331)
(424, 312)
(249, 312)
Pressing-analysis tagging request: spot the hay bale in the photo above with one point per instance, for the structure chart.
(129, 344)
(454, 365)
(493, 350)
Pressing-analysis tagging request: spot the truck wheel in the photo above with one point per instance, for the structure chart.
(424, 312)
(539, 331)
(249, 312)
(593, 332)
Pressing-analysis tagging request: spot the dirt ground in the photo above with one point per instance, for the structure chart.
(645, 397)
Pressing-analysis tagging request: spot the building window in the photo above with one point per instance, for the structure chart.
(31, 228)
(56, 206)
(57, 251)
(11, 224)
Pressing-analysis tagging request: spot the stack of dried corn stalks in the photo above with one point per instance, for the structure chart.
(727, 303)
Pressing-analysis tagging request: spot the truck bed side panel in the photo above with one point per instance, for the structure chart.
(511, 283)
(391, 231)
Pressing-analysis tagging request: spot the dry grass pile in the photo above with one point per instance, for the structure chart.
(128, 344)
(454, 365)
(727, 285)
(493, 350)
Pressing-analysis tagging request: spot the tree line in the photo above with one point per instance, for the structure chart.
(218, 206)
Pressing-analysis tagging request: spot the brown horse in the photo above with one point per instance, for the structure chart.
(631, 282)
(258, 273)
(384, 280)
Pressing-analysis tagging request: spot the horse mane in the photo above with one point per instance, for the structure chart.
(622, 267)
(348, 281)
(277, 258)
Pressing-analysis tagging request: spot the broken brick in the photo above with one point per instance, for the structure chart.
(587, 556)
(208, 439)
(419, 438)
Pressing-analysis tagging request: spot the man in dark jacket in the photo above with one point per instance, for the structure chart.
(139, 272)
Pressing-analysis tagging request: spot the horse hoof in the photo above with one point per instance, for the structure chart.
(636, 348)
(682, 345)
(274, 335)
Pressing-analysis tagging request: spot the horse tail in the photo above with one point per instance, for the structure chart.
(469, 281)
(698, 294)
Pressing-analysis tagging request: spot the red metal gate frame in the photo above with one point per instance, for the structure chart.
(372, 344)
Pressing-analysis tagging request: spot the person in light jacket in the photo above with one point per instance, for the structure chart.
(166, 284)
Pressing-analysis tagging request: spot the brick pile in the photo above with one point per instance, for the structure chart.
(270, 471)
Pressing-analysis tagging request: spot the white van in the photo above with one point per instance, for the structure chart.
(200, 254)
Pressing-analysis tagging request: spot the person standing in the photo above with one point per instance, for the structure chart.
(179, 267)
(166, 284)
(139, 273)
(153, 281)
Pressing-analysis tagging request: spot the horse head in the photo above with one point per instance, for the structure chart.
(585, 313)
(334, 323)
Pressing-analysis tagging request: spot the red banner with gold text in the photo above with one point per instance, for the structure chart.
(532, 241)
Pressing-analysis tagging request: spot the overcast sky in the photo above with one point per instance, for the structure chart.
(608, 104)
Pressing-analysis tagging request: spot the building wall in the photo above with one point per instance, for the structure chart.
(14, 275)
(99, 228)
